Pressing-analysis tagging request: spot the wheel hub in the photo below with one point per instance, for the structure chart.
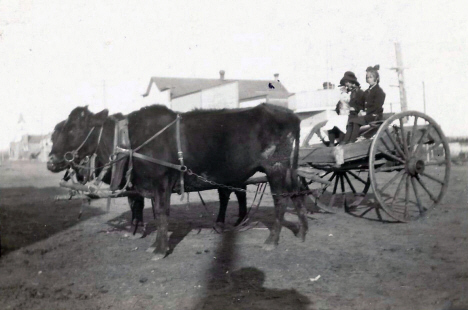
(415, 166)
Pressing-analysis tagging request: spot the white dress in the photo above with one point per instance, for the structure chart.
(339, 120)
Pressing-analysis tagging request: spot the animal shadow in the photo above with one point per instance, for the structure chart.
(187, 217)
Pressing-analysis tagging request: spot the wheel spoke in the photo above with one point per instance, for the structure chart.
(432, 178)
(418, 202)
(397, 147)
(392, 180)
(385, 144)
(421, 141)
(357, 177)
(391, 156)
(349, 182)
(403, 138)
(342, 183)
(365, 212)
(397, 190)
(336, 183)
(406, 195)
(425, 188)
(413, 133)
(383, 169)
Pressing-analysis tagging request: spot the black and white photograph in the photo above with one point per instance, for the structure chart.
(227, 155)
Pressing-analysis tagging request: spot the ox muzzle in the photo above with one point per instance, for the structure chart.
(56, 164)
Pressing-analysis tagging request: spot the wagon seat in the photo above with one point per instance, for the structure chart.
(369, 130)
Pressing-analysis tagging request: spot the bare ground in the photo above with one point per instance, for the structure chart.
(58, 262)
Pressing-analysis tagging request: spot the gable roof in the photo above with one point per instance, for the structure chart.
(255, 88)
(247, 88)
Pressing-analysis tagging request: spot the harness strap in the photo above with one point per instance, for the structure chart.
(156, 134)
(180, 154)
(181, 168)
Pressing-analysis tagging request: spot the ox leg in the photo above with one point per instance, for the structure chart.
(160, 246)
(137, 204)
(299, 204)
(277, 178)
(242, 200)
(162, 201)
(223, 202)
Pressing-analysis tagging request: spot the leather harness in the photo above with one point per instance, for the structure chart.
(122, 148)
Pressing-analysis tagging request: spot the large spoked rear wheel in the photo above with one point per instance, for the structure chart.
(409, 165)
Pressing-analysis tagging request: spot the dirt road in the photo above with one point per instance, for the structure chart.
(345, 263)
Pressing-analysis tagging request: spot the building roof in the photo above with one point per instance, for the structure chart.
(247, 88)
(256, 88)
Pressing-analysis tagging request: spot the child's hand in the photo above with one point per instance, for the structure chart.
(361, 113)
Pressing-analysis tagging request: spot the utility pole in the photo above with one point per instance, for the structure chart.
(104, 103)
(401, 80)
(424, 96)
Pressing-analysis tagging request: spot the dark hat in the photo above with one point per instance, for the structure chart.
(349, 77)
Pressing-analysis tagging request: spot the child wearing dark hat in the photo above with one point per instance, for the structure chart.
(335, 127)
(373, 100)
(356, 99)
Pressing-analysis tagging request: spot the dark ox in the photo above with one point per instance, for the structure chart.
(225, 146)
(104, 148)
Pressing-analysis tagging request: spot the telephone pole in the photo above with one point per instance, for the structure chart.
(401, 80)
(104, 99)
(424, 97)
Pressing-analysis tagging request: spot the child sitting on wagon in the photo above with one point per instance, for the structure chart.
(355, 105)
(372, 104)
(335, 127)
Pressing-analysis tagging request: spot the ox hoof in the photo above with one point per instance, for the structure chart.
(219, 227)
(301, 235)
(158, 256)
(269, 247)
(151, 249)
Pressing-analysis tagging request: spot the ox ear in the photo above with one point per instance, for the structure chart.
(98, 119)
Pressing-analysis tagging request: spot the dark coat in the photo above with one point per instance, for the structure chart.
(356, 100)
(374, 100)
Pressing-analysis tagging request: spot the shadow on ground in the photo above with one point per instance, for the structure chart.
(30, 214)
(185, 218)
(242, 288)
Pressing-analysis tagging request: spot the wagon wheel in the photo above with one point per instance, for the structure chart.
(315, 132)
(415, 175)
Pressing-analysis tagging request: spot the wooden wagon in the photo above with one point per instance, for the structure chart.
(405, 160)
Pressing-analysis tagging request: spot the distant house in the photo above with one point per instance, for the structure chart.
(185, 94)
(29, 147)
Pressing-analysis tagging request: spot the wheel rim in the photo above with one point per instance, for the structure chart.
(416, 172)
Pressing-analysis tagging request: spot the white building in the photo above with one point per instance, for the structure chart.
(185, 94)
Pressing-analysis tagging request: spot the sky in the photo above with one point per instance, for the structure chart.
(56, 55)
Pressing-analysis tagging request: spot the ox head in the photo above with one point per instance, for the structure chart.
(71, 139)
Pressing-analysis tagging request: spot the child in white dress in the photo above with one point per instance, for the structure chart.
(335, 128)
